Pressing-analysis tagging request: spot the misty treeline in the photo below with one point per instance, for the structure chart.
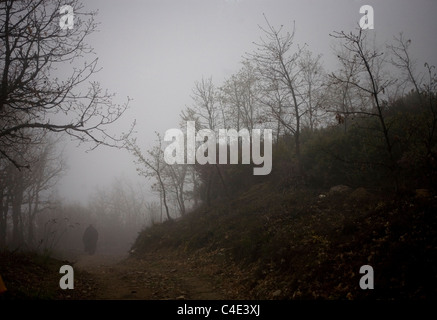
(34, 217)
(118, 212)
(370, 123)
(47, 93)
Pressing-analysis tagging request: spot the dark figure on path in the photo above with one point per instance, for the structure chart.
(89, 239)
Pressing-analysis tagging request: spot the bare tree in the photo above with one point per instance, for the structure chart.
(177, 175)
(423, 85)
(240, 96)
(279, 70)
(25, 193)
(230, 99)
(343, 98)
(3, 207)
(430, 90)
(205, 109)
(206, 114)
(16, 195)
(312, 88)
(44, 174)
(152, 166)
(402, 61)
(369, 80)
(37, 90)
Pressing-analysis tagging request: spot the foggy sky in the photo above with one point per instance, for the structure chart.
(154, 51)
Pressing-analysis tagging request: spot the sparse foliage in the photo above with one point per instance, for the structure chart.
(46, 79)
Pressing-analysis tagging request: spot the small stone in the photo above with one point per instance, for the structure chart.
(360, 195)
(423, 194)
(339, 189)
(277, 293)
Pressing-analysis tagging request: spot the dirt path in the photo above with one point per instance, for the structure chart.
(150, 277)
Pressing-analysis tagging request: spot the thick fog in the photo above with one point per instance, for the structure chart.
(153, 52)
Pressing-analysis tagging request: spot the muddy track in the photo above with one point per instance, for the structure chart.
(151, 277)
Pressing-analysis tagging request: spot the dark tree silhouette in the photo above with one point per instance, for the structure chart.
(45, 78)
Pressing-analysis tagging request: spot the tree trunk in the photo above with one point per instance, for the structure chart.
(222, 181)
(3, 218)
(30, 230)
(208, 188)
(164, 199)
(181, 200)
(195, 189)
(17, 231)
(297, 143)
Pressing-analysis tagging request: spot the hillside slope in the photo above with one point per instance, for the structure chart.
(286, 244)
(32, 276)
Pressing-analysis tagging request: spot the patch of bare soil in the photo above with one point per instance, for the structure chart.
(28, 276)
(150, 277)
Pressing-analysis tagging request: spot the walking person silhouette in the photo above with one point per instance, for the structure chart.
(89, 239)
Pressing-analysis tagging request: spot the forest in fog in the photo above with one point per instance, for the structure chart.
(369, 121)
